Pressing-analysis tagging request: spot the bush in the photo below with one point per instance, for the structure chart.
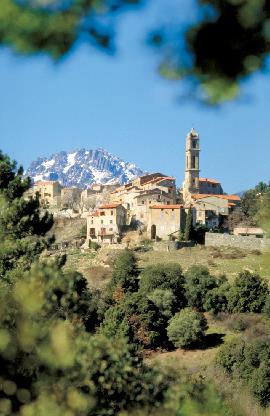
(248, 293)
(216, 299)
(115, 324)
(249, 362)
(164, 277)
(94, 245)
(187, 328)
(146, 320)
(198, 283)
(124, 280)
(266, 308)
(230, 355)
(164, 299)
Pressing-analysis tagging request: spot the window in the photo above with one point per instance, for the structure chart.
(111, 221)
(101, 221)
(150, 202)
(102, 213)
(110, 229)
(193, 162)
(92, 222)
(172, 210)
(92, 231)
(111, 212)
(142, 201)
(194, 144)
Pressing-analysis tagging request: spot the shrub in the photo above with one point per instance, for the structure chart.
(164, 277)
(198, 283)
(260, 384)
(94, 245)
(186, 328)
(249, 362)
(230, 354)
(146, 320)
(216, 299)
(124, 279)
(164, 299)
(115, 324)
(248, 293)
(266, 308)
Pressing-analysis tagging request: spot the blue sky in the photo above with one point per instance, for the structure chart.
(120, 103)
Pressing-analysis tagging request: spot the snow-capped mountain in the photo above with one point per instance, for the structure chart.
(82, 168)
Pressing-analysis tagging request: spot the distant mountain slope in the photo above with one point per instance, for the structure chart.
(82, 168)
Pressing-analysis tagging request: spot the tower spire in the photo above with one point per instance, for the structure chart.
(192, 170)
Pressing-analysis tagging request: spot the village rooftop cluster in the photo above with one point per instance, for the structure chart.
(151, 203)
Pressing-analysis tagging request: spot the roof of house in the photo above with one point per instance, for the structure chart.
(248, 230)
(159, 179)
(110, 206)
(93, 214)
(164, 206)
(151, 192)
(209, 180)
(150, 176)
(228, 197)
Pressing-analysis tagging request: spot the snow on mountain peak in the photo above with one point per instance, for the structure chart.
(82, 167)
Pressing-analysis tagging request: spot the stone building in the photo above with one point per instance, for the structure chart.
(191, 183)
(106, 224)
(212, 210)
(206, 195)
(210, 186)
(165, 221)
(70, 197)
(49, 191)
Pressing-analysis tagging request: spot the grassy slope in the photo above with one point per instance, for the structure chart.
(218, 261)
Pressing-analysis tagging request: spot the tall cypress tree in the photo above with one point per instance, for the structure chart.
(188, 227)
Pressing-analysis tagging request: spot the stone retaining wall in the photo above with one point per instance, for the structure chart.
(243, 242)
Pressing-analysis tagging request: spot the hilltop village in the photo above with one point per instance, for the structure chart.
(151, 203)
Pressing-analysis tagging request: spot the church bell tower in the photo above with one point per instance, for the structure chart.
(191, 183)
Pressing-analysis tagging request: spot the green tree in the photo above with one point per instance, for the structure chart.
(164, 277)
(216, 299)
(189, 225)
(248, 361)
(124, 280)
(248, 293)
(187, 328)
(51, 365)
(22, 224)
(199, 283)
(164, 299)
(115, 323)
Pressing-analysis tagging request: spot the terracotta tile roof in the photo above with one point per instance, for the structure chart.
(164, 206)
(159, 179)
(94, 214)
(228, 197)
(209, 180)
(110, 206)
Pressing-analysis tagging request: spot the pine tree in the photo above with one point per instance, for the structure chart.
(22, 224)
